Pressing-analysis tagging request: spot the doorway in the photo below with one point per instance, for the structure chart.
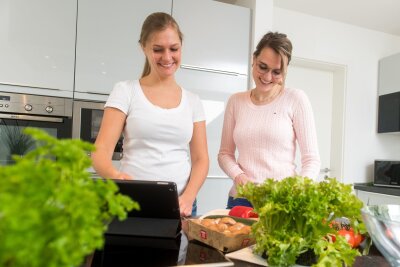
(324, 83)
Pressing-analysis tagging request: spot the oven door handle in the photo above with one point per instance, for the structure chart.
(29, 118)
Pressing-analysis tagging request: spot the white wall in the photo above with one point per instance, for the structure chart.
(359, 50)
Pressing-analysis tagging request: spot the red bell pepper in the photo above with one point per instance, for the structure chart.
(243, 212)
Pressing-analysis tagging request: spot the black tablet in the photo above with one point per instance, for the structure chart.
(159, 214)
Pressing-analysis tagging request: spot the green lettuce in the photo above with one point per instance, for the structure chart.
(295, 216)
(52, 213)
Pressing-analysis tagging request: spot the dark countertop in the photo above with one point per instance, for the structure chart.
(134, 251)
(369, 187)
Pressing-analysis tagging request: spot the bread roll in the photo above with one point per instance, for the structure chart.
(236, 227)
(226, 225)
(213, 227)
(222, 227)
(228, 220)
(245, 230)
(207, 222)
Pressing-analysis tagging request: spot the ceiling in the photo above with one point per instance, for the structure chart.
(379, 15)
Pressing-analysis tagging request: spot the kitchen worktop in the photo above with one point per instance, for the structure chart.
(369, 187)
(132, 251)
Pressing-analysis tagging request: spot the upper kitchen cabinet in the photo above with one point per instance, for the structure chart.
(37, 46)
(389, 95)
(108, 50)
(389, 78)
(216, 35)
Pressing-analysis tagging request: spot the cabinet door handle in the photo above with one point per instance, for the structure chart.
(191, 67)
(325, 170)
(217, 176)
(30, 86)
(93, 93)
(29, 118)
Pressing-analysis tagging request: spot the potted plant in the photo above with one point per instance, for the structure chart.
(52, 213)
(298, 219)
(16, 141)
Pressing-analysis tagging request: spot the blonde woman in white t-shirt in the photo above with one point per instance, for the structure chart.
(163, 124)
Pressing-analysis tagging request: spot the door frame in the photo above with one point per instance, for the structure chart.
(338, 110)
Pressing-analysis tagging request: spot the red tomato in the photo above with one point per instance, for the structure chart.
(348, 235)
(353, 239)
(358, 238)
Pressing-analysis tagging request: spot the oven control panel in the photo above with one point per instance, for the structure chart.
(35, 105)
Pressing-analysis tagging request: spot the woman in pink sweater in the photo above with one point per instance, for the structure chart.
(264, 123)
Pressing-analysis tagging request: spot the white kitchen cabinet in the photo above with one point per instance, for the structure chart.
(107, 49)
(215, 60)
(214, 89)
(216, 35)
(37, 46)
(213, 194)
(370, 198)
(389, 78)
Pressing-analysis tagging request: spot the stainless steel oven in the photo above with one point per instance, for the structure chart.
(18, 111)
(87, 118)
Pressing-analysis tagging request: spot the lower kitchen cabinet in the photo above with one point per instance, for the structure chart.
(213, 194)
(371, 198)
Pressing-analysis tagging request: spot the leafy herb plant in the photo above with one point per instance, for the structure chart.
(17, 142)
(295, 217)
(52, 213)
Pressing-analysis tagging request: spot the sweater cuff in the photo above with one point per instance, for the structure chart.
(235, 171)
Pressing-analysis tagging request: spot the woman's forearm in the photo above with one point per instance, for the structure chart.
(103, 165)
(197, 177)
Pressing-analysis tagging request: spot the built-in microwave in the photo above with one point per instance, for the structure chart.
(86, 123)
(387, 173)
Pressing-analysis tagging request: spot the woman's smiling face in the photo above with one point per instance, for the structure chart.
(267, 69)
(163, 51)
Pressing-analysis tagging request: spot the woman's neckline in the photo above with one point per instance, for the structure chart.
(151, 104)
(262, 103)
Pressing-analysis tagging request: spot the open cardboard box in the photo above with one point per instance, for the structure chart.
(217, 239)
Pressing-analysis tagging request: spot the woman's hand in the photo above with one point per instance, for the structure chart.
(242, 179)
(185, 205)
(123, 176)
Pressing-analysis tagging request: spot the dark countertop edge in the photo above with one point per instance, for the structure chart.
(370, 187)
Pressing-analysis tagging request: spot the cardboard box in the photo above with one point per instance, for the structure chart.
(217, 239)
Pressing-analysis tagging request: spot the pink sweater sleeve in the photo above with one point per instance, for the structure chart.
(226, 155)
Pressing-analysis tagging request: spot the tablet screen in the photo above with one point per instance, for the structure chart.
(157, 199)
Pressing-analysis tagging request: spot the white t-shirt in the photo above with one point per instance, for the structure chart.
(156, 140)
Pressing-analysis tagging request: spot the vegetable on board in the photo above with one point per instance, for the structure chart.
(294, 218)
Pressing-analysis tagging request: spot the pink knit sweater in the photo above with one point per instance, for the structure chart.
(265, 137)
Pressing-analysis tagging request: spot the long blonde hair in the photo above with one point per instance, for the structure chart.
(156, 22)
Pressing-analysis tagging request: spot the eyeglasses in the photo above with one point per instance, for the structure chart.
(263, 69)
